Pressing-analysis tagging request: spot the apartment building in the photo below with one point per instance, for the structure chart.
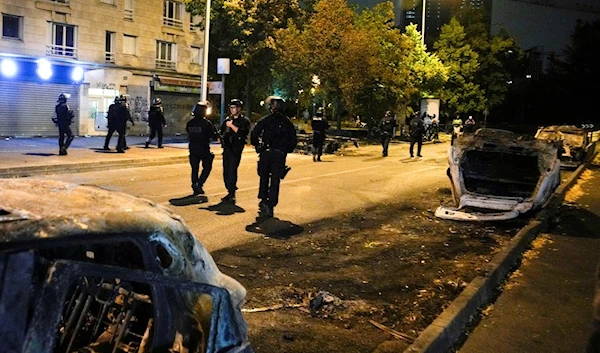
(94, 50)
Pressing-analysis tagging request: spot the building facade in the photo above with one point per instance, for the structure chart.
(94, 50)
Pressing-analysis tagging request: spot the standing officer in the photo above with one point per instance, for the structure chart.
(469, 126)
(319, 124)
(63, 119)
(234, 133)
(200, 131)
(122, 115)
(274, 136)
(156, 121)
(387, 126)
(112, 122)
(417, 128)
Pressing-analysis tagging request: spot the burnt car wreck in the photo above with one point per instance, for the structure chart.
(573, 143)
(84, 269)
(497, 175)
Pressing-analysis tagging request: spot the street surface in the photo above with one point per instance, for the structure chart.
(311, 191)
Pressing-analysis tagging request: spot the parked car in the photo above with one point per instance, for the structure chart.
(497, 175)
(573, 143)
(83, 269)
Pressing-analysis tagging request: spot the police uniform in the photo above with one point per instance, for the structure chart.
(386, 126)
(319, 125)
(274, 136)
(156, 121)
(112, 123)
(200, 131)
(416, 135)
(64, 118)
(233, 144)
(122, 115)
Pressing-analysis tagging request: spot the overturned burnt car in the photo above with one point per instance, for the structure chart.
(573, 143)
(84, 269)
(497, 175)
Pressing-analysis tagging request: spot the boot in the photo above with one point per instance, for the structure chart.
(230, 197)
(62, 151)
(68, 143)
(197, 189)
(147, 144)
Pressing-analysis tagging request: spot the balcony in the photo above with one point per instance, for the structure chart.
(109, 57)
(165, 64)
(172, 22)
(61, 50)
(128, 14)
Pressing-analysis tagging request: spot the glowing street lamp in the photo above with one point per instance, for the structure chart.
(8, 67)
(44, 69)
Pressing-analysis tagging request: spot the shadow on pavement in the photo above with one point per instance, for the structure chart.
(224, 208)
(275, 228)
(575, 221)
(40, 154)
(188, 200)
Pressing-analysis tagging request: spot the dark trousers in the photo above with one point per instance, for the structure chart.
(231, 162)
(318, 139)
(385, 143)
(156, 130)
(419, 141)
(64, 130)
(271, 168)
(122, 144)
(206, 157)
(111, 131)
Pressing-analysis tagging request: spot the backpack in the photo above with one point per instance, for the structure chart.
(416, 126)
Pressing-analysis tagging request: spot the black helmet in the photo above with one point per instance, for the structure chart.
(275, 103)
(320, 111)
(236, 102)
(388, 113)
(157, 101)
(62, 98)
(200, 109)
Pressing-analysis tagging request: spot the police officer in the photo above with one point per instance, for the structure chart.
(122, 115)
(112, 122)
(200, 131)
(63, 119)
(387, 126)
(274, 136)
(469, 125)
(234, 132)
(156, 121)
(416, 130)
(319, 125)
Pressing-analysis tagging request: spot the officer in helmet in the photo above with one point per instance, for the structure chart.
(122, 115)
(156, 121)
(319, 125)
(111, 117)
(200, 131)
(63, 119)
(387, 126)
(234, 132)
(274, 136)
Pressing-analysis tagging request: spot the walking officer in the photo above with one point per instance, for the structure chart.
(200, 131)
(122, 115)
(387, 126)
(319, 125)
(63, 119)
(417, 128)
(274, 136)
(156, 121)
(234, 133)
(112, 122)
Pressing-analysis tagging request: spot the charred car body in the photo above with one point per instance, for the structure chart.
(573, 143)
(497, 175)
(84, 269)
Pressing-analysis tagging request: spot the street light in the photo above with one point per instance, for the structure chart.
(423, 22)
(204, 83)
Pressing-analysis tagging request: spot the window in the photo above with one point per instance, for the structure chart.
(194, 22)
(196, 55)
(129, 6)
(11, 26)
(110, 47)
(61, 1)
(110, 2)
(63, 40)
(129, 45)
(173, 14)
(165, 55)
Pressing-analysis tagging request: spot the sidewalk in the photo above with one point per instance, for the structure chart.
(39, 156)
(546, 305)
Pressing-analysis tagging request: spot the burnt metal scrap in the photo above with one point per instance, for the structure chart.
(572, 142)
(498, 175)
(44, 223)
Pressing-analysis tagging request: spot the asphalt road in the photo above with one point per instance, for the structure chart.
(311, 191)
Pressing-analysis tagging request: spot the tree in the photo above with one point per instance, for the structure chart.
(461, 94)
(244, 30)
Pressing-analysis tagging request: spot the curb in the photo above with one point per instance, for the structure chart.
(447, 329)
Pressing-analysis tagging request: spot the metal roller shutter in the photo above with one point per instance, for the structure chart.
(27, 108)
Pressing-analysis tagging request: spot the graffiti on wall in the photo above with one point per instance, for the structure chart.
(139, 109)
